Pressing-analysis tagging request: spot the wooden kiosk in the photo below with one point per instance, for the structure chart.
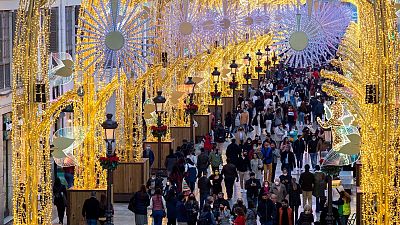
(159, 158)
(180, 134)
(204, 124)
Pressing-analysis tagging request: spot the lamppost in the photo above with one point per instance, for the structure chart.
(109, 127)
(267, 62)
(215, 74)
(189, 86)
(247, 75)
(329, 215)
(159, 101)
(258, 67)
(274, 59)
(233, 85)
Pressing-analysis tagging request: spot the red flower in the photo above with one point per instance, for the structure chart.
(321, 161)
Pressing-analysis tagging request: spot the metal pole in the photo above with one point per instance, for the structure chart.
(191, 120)
(216, 102)
(109, 181)
(329, 215)
(258, 73)
(159, 124)
(233, 95)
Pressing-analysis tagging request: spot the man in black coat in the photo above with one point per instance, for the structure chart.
(233, 152)
(307, 185)
(252, 186)
(229, 173)
(287, 160)
(204, 185)
(91, 209)
(220, 133)
(265, 209)
(299, 146)
(203, 162)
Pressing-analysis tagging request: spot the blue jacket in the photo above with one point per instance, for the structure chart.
(181, 213)
(171, 207)
(150, 156)
(267, 155)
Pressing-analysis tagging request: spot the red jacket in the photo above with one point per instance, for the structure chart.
(240, 220)
(290, 216)
(207, 143)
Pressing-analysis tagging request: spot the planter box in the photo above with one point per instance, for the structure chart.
(75, 200)
(179, 134)
(128, 178)
(159, 157)
(204, 124)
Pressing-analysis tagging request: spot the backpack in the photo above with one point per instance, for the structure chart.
(204, 219)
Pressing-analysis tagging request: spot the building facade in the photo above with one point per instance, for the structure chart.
(62, 39)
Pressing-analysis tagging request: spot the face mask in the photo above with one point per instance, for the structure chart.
(276, 183)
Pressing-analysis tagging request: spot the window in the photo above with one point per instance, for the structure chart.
(54, 30)
(69, 29)
(5, 49)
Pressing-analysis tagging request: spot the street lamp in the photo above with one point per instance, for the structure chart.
(109, 127)
(267, 62)
(233, 86)
(258, 67)
(247, 75)
(189, 86)
(159, 101)
(215, 74)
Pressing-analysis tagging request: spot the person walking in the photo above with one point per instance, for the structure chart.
(251, 215)
(181, 213)
(276, 155)
(206, 217)
(280, 134)
(265, 209)
(243, 166)
(223, 215)
(306, 217)
(256, 166)
(216, 180)
(60, 199)
(252, 186)
(191, 174)
(319, 187)
(285, 214)
(91, 209)
(148, 153)
(306, 182)
(312, 150)
(279, 190)
(240, 217)
(171, 201)
(204, 186)
(138, 204)
(268, 158)
(229, 173)
(192, 208)
(215, 159)
(170, 161)
(294, 191)
(233, 152)
(344, 207)
(158, 206)
(288, 161)
(299, 146)
(203, 162)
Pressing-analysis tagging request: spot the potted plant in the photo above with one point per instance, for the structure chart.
(191, 108)
(159, 131)
(109, 162)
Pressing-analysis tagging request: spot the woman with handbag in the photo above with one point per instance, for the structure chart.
(158, 207)
(60, 198)
(138, 204)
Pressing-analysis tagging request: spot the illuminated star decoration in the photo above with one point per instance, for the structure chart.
(308, 40)
(116, 37)
(65, 140)
(258, 21)
(229, 23)
(182, 27)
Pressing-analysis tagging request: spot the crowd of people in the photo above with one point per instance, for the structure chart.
(272, 133)
(274, 124)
